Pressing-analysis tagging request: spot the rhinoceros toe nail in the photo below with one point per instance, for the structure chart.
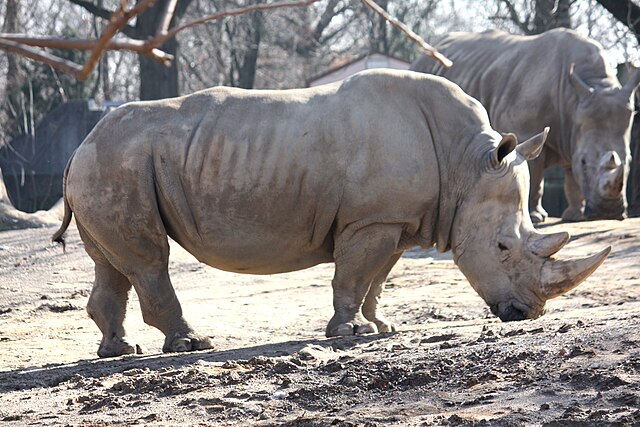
(367, 328)
(386, 327)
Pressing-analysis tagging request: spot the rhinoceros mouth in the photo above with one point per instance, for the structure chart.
(592, 212)
(508, 313)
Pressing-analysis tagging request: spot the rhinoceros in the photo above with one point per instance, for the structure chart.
(558, 79)
(262, 182)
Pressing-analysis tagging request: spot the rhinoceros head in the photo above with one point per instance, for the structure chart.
(600, 155)
(505, 259)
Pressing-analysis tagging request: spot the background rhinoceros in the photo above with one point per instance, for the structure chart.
(271, 181)
(558, 79)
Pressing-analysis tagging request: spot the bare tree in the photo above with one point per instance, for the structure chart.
(157, 80)
(118, 21)
(551, 14)
(245, 35)
(535, 17)
(625, 11)
(14, 78)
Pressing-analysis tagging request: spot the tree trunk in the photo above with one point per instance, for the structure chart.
(247, 70)
(378, 37)
(15, 77)
(156, 80)
(626, 12)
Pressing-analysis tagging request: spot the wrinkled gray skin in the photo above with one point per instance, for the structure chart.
(265, 182)
(528, 82)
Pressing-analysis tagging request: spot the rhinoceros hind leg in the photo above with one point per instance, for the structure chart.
(360, 257)
(108, 300)
(371, 301)
(161, 309)
(142, 255)
(107, 307)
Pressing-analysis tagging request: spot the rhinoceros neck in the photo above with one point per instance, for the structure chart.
(459, 139)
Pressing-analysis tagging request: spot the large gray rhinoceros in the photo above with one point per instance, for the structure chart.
(266, 182)
(558, 79)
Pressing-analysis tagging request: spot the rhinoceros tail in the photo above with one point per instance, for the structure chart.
(58, 236)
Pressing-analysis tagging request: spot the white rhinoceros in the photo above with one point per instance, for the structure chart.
(558, 79)
(264, 182)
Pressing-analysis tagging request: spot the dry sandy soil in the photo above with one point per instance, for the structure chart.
(450, 363)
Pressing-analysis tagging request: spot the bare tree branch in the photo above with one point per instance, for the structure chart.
(523, 25)
(127, 44)
(626, 12)
(118, 20)
(41, 56)
(21, 44)
(429, 50)
(167, 16)
(159, 40)
(103, 13)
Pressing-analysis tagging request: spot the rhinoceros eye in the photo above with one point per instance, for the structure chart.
(502, 247)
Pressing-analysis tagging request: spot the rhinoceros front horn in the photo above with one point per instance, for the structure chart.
(560, 276)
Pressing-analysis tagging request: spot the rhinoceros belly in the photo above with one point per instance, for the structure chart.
(243, 207)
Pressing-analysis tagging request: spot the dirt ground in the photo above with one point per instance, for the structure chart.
(450, 363)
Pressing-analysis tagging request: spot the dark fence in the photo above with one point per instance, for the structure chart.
(33, 165)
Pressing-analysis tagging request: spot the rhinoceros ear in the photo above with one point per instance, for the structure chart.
(532, 147)
(583, 89)
(506, 146)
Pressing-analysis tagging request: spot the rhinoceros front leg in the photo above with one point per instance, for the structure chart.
(575, 199)
(107, 307)
(359, 257)
(536, 170)
(371, 301)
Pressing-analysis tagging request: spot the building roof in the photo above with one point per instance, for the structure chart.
(347, 66)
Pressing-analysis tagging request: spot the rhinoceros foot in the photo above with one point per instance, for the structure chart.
(117, 346)
(180, 342)
(384, 325)
(573, 214)
(538, 215)
(336, 328)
